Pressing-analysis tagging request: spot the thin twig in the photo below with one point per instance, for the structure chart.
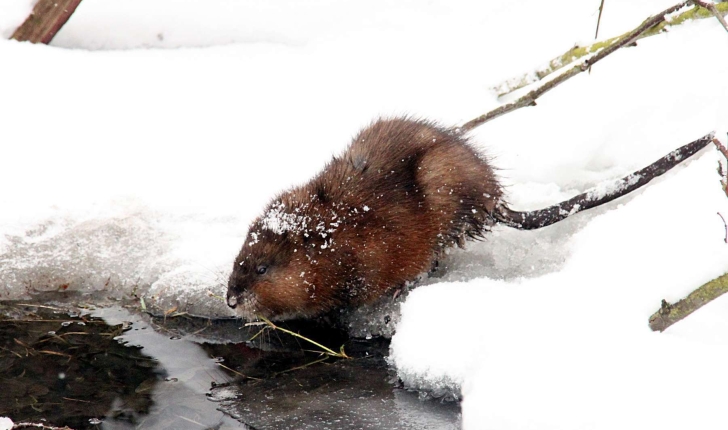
(258, 334)
(303, 366)
(711, 7)
(726, 227)
(236, 372)
(215, 296)
(255, 324)
(41, 306)
(192, 421)
(11, 351)
(76, 400)
(326, 350)
(60, 354)
(599, 19)
(38, 425)
(530, 98)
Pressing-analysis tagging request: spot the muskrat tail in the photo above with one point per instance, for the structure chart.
(600, 195)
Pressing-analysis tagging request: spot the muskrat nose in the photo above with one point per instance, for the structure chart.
(232, 301)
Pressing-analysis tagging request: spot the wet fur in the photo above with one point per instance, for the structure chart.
(374, 218)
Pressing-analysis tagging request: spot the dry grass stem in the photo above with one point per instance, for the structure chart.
(325, 349)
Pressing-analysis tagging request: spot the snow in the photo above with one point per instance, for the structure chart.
(12, 15)
(142, 171)
(581, 331)
(278, 221)
(6, 423)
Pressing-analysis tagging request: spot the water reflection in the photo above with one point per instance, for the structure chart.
(115, 369)
(69, 370)
(102, 371)
(179, 401)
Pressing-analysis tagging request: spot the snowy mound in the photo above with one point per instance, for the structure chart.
(579, 335)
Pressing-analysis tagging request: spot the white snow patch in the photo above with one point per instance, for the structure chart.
(12, 14)
(277, 220)
(575, 342)
(612, 187)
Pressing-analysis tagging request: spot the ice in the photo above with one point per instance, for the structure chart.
(377, 319)
(222, 394)
(130, 250)
(71, 254)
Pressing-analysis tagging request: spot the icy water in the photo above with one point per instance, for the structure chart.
(111, 368)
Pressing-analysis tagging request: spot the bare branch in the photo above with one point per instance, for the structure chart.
(720, 147)
(599, 19)
(578, 52)
(669, 314)
(530, 98)
(45, 21)
(726, 227)
(592, 198)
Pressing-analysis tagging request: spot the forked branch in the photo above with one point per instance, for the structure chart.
(554, 65)
(714, 10)
(530, 98)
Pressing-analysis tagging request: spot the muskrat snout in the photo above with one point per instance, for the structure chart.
(232, 299)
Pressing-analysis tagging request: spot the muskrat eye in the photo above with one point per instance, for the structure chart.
(261, 269)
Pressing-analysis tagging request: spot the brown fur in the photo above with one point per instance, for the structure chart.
(374, 218)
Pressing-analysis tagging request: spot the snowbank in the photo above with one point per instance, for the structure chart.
(141, 169)
(574, 344)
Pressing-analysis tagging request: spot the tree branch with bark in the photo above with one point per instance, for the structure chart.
(669, 313)
(45, 21)
(595, 197)
(578, 52)
(650, 24)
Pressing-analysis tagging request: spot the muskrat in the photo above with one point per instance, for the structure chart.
(378, 215)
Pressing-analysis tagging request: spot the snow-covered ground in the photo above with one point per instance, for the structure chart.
(125, 166)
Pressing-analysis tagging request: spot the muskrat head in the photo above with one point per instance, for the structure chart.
(271, 277)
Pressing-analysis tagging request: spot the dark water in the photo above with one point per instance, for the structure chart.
(113, 368)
